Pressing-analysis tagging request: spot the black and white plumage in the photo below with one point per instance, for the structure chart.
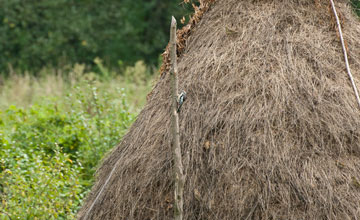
(180, 100)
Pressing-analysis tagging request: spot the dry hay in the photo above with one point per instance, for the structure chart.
(183, 34)
(271, 123)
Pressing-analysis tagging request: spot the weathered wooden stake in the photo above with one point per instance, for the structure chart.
(179, 177)
(345, 53)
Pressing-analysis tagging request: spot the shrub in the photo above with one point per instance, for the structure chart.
(49, 151)
(35, 185)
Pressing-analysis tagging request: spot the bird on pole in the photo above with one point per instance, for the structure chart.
(180, 100)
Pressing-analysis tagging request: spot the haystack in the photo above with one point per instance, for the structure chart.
(271, 122)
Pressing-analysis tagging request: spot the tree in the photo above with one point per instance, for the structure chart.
(53, 32)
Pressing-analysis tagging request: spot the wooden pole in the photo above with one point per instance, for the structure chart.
(345, 53)
(179, 177)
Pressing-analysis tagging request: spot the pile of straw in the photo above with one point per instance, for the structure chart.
(271, 123)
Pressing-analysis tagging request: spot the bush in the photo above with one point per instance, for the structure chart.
(35, 185)
(50, 150)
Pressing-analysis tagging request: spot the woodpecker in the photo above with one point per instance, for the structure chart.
(180, 100)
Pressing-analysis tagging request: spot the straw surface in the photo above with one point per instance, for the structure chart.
(271, 122)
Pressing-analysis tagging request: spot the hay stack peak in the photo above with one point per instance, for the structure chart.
(271, 122)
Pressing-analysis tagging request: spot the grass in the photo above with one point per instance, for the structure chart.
(24, 90)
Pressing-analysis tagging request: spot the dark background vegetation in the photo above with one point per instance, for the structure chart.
(356, 4)
(38, 33)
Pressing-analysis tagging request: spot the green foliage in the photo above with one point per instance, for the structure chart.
(50, 32)
(49, 150)
(36, 185)
(356, 4)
